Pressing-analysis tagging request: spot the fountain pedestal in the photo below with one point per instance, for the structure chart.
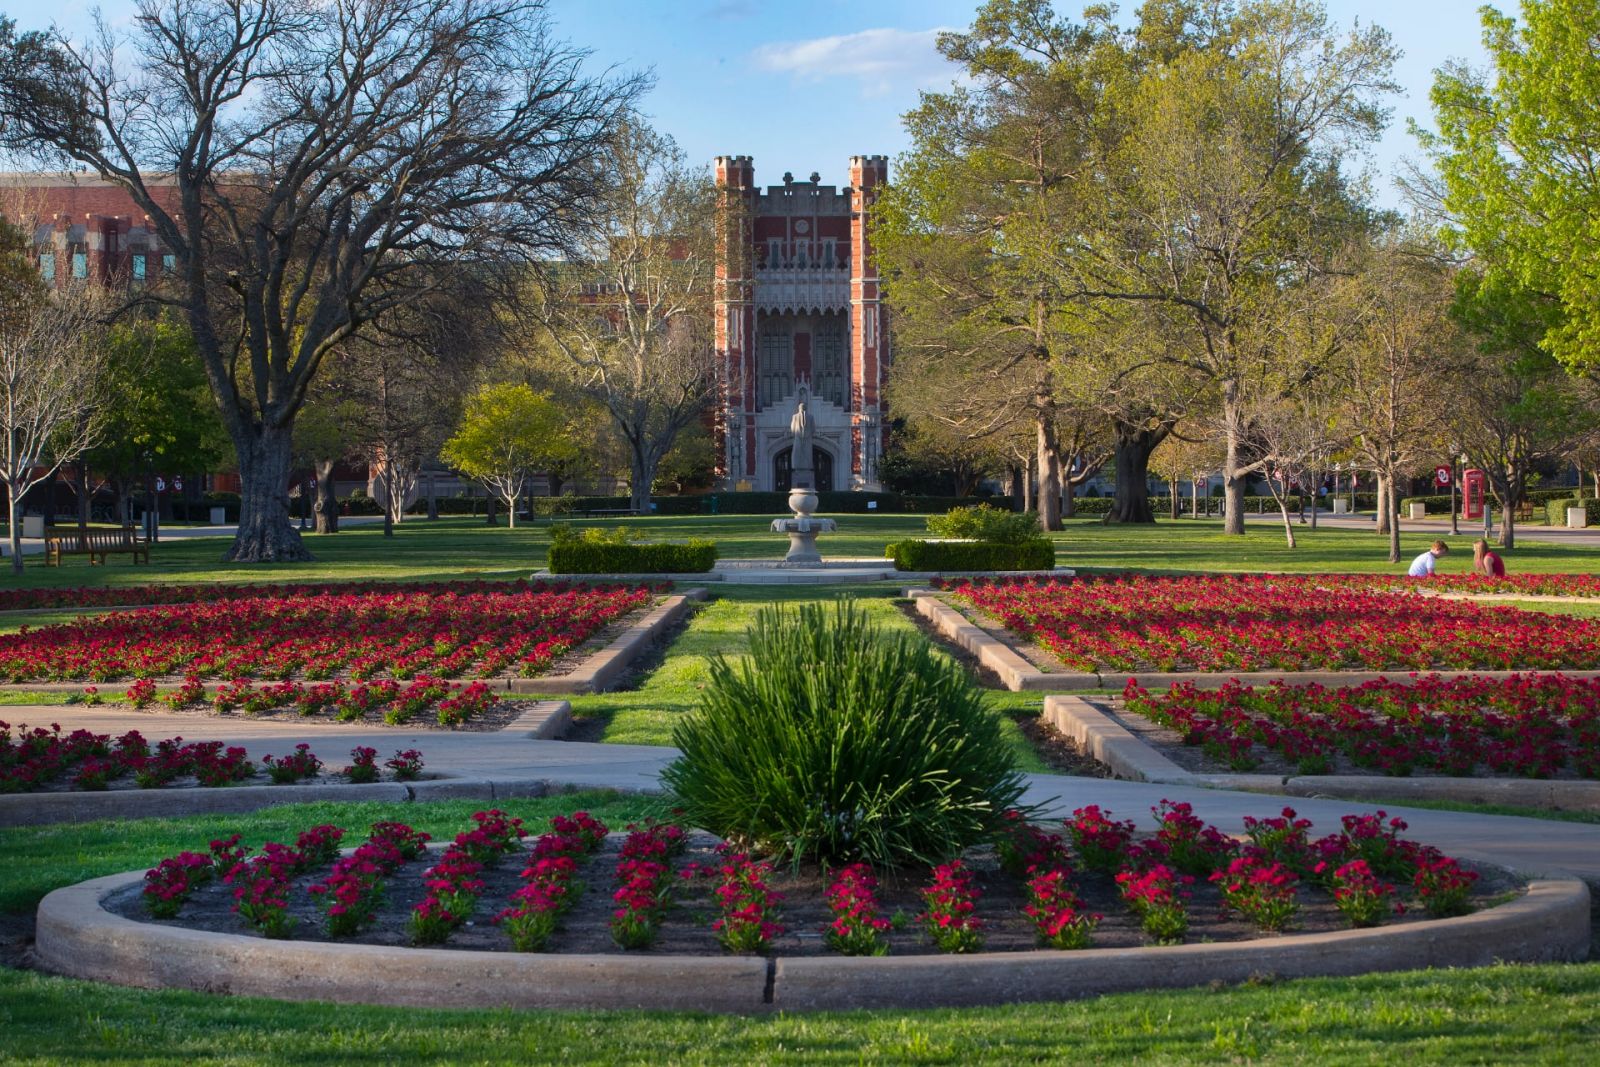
(803, 529)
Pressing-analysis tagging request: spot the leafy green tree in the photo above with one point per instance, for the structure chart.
(508, 432)
(158, 409)
(1515, 151)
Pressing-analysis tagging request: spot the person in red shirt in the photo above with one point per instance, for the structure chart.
(1485, 561)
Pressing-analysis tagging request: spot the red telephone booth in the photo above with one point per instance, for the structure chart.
(1473, 484)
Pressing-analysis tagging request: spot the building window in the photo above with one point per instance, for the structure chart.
(830, 375)
(774, 253)
(138, 268)
(775, 363)
(168, 264)
(80, 264)
(829, 258)
(47, 266)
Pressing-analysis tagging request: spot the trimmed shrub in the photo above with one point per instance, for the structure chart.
(836, 741)
(1556, 510)
(981, 522)
(595, 551)
(1035, 554)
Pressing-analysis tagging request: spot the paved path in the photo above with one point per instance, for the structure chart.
(1529, 845)
(1440, 527)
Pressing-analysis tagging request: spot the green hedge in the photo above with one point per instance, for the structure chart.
(578, 556)
(1556, 510)
(1038, 554)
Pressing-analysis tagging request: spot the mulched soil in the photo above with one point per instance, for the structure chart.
(1040, 657)
(1193, 758)
(1060, 752)
(687, 929)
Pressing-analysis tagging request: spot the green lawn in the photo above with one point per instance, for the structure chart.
(645, 715)
(466, 548)
(1502, 1014)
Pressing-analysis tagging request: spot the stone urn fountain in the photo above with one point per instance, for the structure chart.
(803, 528)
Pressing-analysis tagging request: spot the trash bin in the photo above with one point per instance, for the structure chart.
(33, 526)
(1577, 518)
(219, 516)
(1417, 511)
(1341, 506)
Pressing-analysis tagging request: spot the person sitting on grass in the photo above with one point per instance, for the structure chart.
(1422, 566)
(1486, 561)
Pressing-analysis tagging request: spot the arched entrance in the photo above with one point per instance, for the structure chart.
(783, 471)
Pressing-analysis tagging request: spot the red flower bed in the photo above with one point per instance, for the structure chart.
(378, 638)
(1579, 585)
(1272, 622)
(37, 759)
(1162, 887)
(143, 595)
(1526, 725)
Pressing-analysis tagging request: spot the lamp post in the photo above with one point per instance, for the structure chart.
(1455, 476)
(150, 518)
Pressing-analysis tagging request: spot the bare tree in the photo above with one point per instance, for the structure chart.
(631, 309)
(311, 165)
(51, 376)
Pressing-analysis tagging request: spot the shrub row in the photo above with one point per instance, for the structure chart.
(578, 556)
(1036, 554)
(1556, 510)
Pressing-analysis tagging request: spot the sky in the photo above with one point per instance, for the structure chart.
(803, 85)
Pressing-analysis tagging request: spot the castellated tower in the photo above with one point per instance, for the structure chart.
(797, 303)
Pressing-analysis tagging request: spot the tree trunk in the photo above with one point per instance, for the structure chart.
(1232, 478)
(555, 482)
(1132, 461)
(15, 499)
(1069, 494)
(511, 509)
(1392, 499)
(1288, 523)
(433, 495)
(1382, 506)
(265, 535)
(489, 502)
(1172, 497)
(326, 507)
(1044, 417)
(84, 501)
(1029, 483)
(643, 472)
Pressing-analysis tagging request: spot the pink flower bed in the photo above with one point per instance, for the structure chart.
(1531, 725)
(33, 759)
(143, 595)
(402, 641)
(1287, 623)
(1275, 877)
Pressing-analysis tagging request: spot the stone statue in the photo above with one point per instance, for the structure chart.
(802, 425)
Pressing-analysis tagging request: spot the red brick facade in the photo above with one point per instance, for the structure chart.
(797, 304)
(85, 229)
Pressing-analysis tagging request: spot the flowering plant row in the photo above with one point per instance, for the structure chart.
(1290, 623)
(1573, 585)
(1525, 725)
(33, 759)
(1367, 870)
(550, 886)
(424, 634)
(147, 595)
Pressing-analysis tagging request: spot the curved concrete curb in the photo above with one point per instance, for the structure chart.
(35, 809)
(1131, 758)
(1017, 674)
(78, 938)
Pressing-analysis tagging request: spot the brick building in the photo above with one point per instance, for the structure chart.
(797, 304)
(85, 229)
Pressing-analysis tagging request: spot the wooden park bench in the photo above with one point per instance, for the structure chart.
(593, 513)
(1525, 511)
(96, 544)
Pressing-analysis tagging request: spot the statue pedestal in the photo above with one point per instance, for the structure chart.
(803, 529)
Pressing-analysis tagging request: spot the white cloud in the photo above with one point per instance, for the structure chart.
(880, 59)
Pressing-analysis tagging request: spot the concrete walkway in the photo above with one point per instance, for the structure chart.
(1533, 846)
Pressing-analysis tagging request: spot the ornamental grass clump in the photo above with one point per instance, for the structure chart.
(838, 742)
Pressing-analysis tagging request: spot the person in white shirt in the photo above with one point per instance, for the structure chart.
(1422, 566)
